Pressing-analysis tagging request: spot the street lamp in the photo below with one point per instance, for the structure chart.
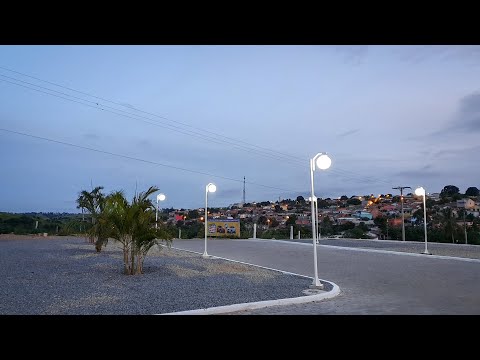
(209, 188)
(323, 162)
(317, 226)
(160, 197)
(421, 192)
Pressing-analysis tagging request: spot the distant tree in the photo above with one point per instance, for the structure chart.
(273, 222)
(262, 219)
(192, 214)
(291, 220)
(300, 199)
(344, 197)
(323, 203)
(356, 233)
(263, 203)
(278, 208)
(381, 222)
(430, 203)
(472, 191)
(449, 190)
(418, 214)
(450, 226)
(396, 199)
(354, 201)
(94, 203)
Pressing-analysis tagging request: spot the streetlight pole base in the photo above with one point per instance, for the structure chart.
(316, 285)
(426, 253)
(206, 256)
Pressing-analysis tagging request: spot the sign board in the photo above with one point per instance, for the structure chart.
(229, 227)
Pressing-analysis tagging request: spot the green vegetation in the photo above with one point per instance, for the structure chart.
(132, 224)
(51, 223)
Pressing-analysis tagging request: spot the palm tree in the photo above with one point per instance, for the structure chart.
(131, 224)
(450, 225)
(94, 203)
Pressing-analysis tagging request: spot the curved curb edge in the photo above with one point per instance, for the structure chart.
(260, 304)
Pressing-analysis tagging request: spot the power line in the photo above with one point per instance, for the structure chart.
(148, 121)
(142, 160)
(292, 160)
(340, 172)
(149, 113)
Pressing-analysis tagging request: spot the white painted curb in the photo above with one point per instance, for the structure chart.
(259, 304)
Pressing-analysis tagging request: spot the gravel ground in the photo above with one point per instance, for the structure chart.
(65, 275)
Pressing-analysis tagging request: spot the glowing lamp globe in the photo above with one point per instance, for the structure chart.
(324, 162)
(211, 188)
(161, 197)
(420, 191)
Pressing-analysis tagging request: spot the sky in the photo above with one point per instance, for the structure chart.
(180, 117)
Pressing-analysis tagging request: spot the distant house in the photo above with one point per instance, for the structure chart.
(466, 203)
(362, 214)
(302, 222)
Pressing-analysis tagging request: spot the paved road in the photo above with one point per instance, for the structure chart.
(371, 282)
(444, 249)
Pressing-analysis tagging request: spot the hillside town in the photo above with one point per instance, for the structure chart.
(450, 212)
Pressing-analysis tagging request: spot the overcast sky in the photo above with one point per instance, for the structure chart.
(387, 116)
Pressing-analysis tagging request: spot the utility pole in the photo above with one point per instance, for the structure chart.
(401, 199)
(244, 190)
(465, 225)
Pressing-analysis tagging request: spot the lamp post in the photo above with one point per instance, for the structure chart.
(323, 162)
(209, 188)
(421, 192)
(316, 216)
(160, 197)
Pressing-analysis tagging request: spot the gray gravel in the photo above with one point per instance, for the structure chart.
(67, 276)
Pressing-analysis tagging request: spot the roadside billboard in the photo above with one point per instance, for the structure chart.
(229, 227)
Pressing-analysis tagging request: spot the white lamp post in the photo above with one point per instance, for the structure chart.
(421, 192)
(209, 188)
(316, 217)
(160, 197)
(323, 162)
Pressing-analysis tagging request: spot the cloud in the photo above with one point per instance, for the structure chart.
(420, 173)
(349, 132)
(454, 153)
(353, 54)
(468, 54)
(468, 118)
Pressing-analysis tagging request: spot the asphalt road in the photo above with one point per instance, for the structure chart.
(443, 249)
(371, 282)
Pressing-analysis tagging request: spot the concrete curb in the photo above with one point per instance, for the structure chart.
(259, 304)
